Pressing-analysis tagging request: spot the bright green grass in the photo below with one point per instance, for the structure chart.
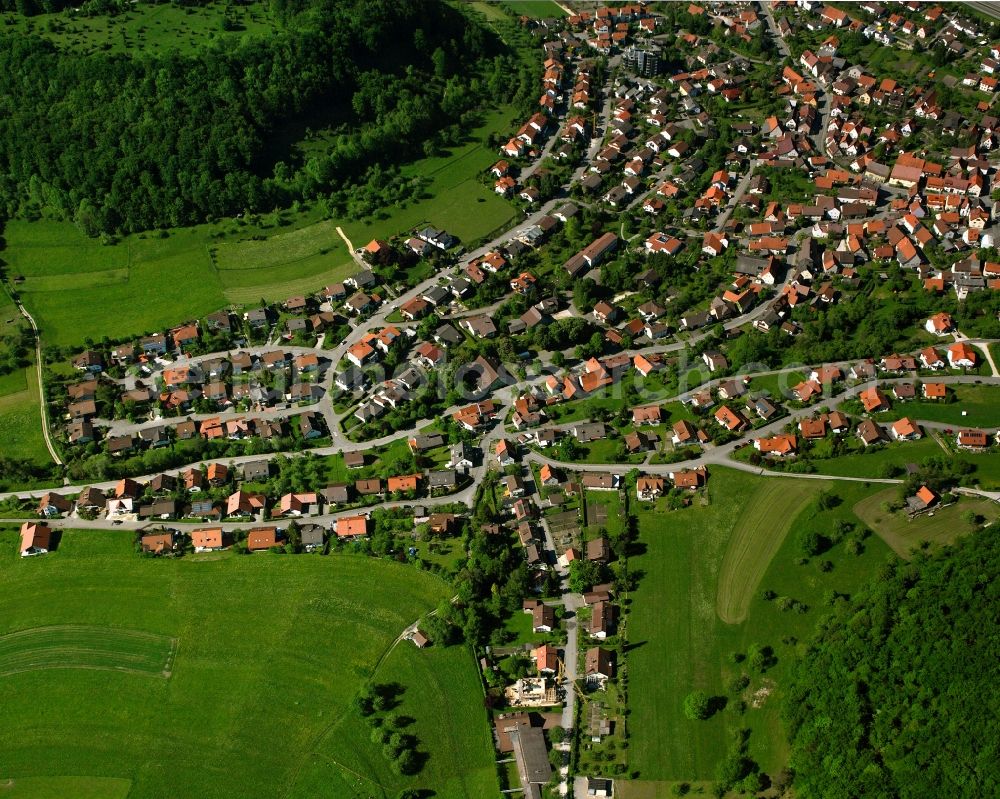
(539, 9)
(677, 641)
(74, 646)
(607, 505)
(14, 382)
(756, 537)
(458, 201)
(282, 248)
(299, 261)
(904, 534)
(872, 463)
(20, 417)
(148, 28)
(62, 787)
(777, 385)
(433, 679)
(78, 288)
(981, 405)
(270, 651)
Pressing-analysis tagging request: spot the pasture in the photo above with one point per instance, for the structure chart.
(697, 563)
(21, 417)
(904, 534)
(149, 28)
(74, 646)
(270, 651)
(755, 539)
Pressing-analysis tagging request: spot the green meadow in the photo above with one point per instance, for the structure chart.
(20, 410)
(263, 654)
(943, 526)
(702, 572)
(157, 28)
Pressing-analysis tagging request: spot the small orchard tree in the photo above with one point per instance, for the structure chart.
(697, 706)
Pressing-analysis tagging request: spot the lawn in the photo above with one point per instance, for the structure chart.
(604, 510)
(148, 28)
(270, 651)
(975, 406)
(691, 564)
(873, 462)
(904, 534)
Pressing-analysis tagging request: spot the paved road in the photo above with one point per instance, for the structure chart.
(772, 25)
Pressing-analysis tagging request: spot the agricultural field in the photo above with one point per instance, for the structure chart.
(711, 562)
(61, 787)
(149, 28)
(904, 534)
(754, 541)
(199, 665)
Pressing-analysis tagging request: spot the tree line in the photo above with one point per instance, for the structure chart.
(894, 697)
(121, 143)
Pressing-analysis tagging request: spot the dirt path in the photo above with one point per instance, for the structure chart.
(38, 376)
(350, 247)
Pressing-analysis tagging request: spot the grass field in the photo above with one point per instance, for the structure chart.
(873, 462)
(755, 539)
(980, 405)
(677, 641)
(20, 413)
(270, 651)
(904, 534)
(539, 9)
(72, 282)
(457, 200)
(297, 262)
(72, 646)
(62, 787)
(150, 28)
(21, 417)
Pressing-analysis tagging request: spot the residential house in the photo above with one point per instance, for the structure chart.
(36, 539)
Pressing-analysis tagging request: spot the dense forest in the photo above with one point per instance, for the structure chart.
(895, 695)
(124, 143)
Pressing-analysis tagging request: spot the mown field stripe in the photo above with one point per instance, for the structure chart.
(758, 535)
